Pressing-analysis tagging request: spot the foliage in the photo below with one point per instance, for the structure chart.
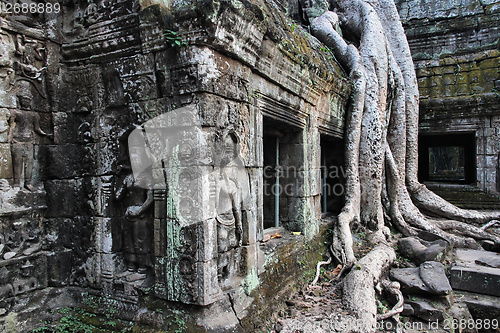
(382, 306)
(173, 38)
(71, 322)
(329, 51)
(77, 320)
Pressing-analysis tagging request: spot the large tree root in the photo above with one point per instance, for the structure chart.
(359, 286)
(430, 202)
(358, 298)
(467, 230)
(381, 148)
(489, 224)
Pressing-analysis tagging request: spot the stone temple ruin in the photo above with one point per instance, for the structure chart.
(101, 205)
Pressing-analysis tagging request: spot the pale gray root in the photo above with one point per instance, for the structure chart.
(318, 269)
(381, 148)
(340, 258)
(359, 286)
(467, 230)
(324, 27)
(394, 183)
(431, 202)
(363, 19)
(395, 289)
(416, 219)
(390, 87)
(489, 224)
(421, 195)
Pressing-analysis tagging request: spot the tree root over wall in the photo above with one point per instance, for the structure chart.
(368, 39)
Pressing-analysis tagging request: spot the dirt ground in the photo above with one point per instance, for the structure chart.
(319, 308)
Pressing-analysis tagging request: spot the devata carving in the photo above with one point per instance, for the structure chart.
(137, 227)
(229, 206)
(23, 125)
(22, 198)
(22, 88)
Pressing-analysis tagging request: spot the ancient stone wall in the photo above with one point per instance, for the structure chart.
(78, 83)
(455, 48)
(44, 214)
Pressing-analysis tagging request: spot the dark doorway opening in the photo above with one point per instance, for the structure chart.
(333, 175)
(448, 158)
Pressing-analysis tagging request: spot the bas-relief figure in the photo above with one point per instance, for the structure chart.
(224, 227)
(229, 207)
(22, 197)
(207, 188)
(7, 72)
(137, 223)
(7, 100)
(22, 63)
(23, 125)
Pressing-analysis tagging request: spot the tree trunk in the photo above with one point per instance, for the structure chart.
(381, 146)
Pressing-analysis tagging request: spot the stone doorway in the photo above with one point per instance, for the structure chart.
(333, 175)
(448, 158)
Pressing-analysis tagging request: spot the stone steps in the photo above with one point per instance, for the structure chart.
(476, 271)
(471, 294)
(480, 306)
(467, 198)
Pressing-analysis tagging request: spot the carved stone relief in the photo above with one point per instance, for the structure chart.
(136, 221)
(7, 72)
(22, 275)
(25, 125)
(177, 209)
(202, 215)
(22, 97)
(98, 29)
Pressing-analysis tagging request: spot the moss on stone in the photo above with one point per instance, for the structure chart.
(289, 267)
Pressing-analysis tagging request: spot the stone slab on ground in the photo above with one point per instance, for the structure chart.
(460, 313)
(419, 250)
(480, 306)
(467, 274)
(409, 279)
(434, 277)
(489, 261)
(428, 278)
(425, 310)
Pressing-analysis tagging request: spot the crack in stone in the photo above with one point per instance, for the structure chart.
(234, 310)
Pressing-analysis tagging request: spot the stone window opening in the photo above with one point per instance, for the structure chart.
(283, 167)
(447, 158)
